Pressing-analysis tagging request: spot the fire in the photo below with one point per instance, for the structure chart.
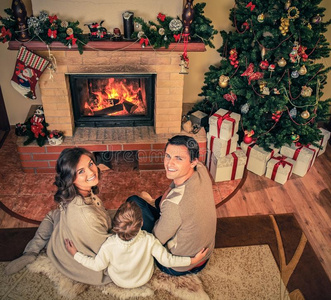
(118, 97)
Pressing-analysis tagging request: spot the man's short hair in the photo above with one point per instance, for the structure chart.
(189, 142)
(127, 221)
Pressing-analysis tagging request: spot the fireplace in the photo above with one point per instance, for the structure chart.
(112, 100)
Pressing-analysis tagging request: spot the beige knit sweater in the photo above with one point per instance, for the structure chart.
(86, 222)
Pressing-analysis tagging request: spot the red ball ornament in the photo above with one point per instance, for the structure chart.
(264, 65)
(247, 139)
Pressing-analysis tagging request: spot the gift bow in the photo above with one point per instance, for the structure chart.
(220, 120)
(52, 18)
(177, 37)
(143, 41)
(283, 162)
(161, 17)
(52, 33)
(71, 37)
(250, 5)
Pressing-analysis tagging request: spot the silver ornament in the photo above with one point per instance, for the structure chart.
(245, 108)
(295, 74)
(175, 25)
(293, 112)
(140, 34)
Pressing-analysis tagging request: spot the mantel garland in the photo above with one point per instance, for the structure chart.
(49, 28)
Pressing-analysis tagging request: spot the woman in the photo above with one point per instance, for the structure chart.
(81, 217)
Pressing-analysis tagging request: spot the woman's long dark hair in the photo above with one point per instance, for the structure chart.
(66, 166)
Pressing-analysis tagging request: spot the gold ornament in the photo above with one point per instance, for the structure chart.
(223, 81)
(309, 26)
(284, 24)
(282, 62)
(69, 31)
(293, 13)
(305, 114)
(303, 70)
(260, 18)
(306, 91)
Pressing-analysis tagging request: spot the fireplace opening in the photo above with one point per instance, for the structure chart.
(112, 100)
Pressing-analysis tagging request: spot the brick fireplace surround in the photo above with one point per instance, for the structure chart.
(116, 58)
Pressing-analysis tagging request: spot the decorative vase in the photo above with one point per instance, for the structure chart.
(188, 16)
(20, 15)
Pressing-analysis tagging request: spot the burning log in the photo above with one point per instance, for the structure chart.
(130, 107)
(109, 110)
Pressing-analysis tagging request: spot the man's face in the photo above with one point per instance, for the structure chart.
(177, 163)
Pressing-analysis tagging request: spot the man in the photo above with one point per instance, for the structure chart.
(184, 218)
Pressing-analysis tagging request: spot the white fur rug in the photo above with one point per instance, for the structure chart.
(232, 273)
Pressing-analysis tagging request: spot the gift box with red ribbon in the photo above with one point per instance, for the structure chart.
(324, 140)
(220, 147)
(224, 124)
(279, 168)
(257, 157)
(303, 156)
(229, 167)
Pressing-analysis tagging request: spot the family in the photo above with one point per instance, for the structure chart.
(175, 232)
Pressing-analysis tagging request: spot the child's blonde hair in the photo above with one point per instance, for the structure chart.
(127, 221)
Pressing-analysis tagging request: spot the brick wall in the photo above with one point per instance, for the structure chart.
(55, 93)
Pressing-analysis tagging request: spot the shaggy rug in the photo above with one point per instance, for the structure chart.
(255, 258)
(228, 275)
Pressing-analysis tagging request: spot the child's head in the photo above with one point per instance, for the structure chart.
(127, 221)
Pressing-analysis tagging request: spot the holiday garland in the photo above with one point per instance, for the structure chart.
(46, 28)
(49, 28)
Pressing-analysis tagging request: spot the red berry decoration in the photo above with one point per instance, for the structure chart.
(234, 58)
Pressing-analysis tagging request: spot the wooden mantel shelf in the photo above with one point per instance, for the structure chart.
(107, 46)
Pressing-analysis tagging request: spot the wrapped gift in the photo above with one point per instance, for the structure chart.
(324, 140)
(220, 147)
(279, 168)
(304, 157)
(257, 157)
(229, 167)
(224, 124)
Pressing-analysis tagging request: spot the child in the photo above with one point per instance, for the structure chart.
(128, 254)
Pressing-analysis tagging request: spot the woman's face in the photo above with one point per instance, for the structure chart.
(86, 174)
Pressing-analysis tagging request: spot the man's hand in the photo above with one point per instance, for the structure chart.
(199, 256)
(70, 247)
(148, 198)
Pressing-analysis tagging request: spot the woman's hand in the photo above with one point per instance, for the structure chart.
(199, 256)
(148, 198)
(70, 247)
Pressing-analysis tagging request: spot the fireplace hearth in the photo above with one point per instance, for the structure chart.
(112, 100)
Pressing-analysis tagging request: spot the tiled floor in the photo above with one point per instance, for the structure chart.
(32, 194)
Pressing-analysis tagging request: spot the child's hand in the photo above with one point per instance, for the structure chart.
(199, 256)
(70, 247)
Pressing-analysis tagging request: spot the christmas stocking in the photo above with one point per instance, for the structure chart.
(28, 69)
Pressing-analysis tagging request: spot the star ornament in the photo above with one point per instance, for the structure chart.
(251, 74)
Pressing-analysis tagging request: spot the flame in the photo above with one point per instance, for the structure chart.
(115, 93)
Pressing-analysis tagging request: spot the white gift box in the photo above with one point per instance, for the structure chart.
(303, 156)
(257, 157)
(229, 167)
(220, 147)
(224, 124)
(279, 168)
(324, 140)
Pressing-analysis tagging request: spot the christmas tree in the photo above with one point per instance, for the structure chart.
(271, 71)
